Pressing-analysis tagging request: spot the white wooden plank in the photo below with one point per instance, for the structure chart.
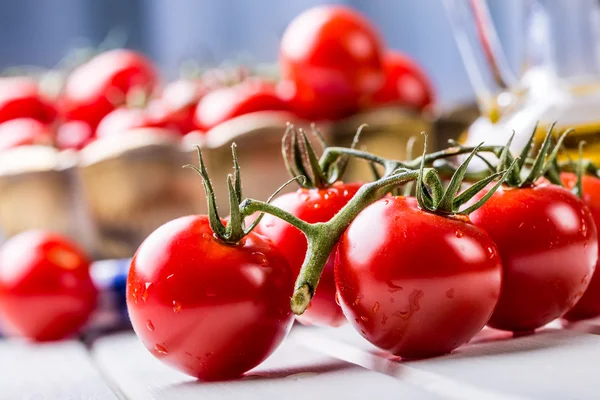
(61, 370)
(291, 373)
(551, 364)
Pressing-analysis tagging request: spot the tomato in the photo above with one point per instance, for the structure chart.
(415, 283)
(178, 103)
(549, 247)
(20, 98)
(589, 305)
(211, 310)
(330, 60)
(74, 135)
(46, 292)
(123, 119)
(310, 205)
(99, 86)
(24, 131)
(405, 83)
(225, 103)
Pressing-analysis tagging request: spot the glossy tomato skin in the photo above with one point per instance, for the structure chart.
(310, 205)
(589, 305)
(177, 103)
(225, 103)
(549, 247)
(20, 98)
(211, 310)
(330, 60)
(100, 85)
(414, 283)
(406, 83)
(24, 131)
(46, 292)
(123, 119)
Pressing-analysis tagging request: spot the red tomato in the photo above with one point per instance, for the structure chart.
(330, 59)
(211, 310)
(178, 103)
(589, 305)
(549, 247)
(310, 205)
(23, 131)
(405, 83)
(99, 86)
(414, 283)
(74, 135)
(123, 119)
(225, 103)
(46, 292)
(20, 98)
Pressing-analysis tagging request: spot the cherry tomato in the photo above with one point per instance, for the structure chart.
(589, 305)
(46, 292)
(414, 283)
(178, 103)
(21, 98)
(23, 131)
(405, 83)
(123, 119)
(549, 247)
(310, 205)
(330, 59)
(74, 135)
(225, 103)
(99, 86)
(211, 310)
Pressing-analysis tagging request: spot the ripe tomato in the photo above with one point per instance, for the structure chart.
(330, 59)
(211, 310)
(21, 98)
(415, 283)
(123, 119)
(74, 135)
(23, 131)
(99, 86)
(589, 305)
(549, 247)
(46, 292)
(310, 205)
(405, 83)
(246, 97)
(177, 104)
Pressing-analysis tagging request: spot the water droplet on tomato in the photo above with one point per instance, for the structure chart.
(584, 279)
(150, 326)
(450, 293)
(270, 225)
(206, 236)
(490, 250)
(386, 202)
(176, 307)
(384, 319)
(357, 320)
(459, 234)
(134, 295)
(375, 307)
(357, 300)
(316, 205)
(364, 318)
(346, 193)
(160, 349)
(145, 292)
(305, 197)
(363, 332)
(326, 196)
(170, 276)
(260, 258)
(337, 298)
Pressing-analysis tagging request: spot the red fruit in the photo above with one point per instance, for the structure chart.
(20, 98)
(406, 83)
(177, 104)
(415, 283)
(589, 305)
(330, 59)
(24, 131)
(225, 103)
(211, 310)
(310, 205)
(46, 292)
(123, 119)
(549, 247)
(74, 135)
(99, 86)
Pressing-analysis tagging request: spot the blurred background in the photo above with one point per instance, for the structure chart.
(38, 32)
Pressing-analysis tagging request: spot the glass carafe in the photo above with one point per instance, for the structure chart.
(559, 80)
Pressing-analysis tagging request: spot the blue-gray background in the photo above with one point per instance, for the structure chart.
(40, 32)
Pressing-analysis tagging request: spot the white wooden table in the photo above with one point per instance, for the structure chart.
(317, 364)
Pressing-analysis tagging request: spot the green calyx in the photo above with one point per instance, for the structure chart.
(235, 229)
(300, 157)
(433, 197)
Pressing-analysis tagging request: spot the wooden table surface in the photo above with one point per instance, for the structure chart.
(317, 364)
